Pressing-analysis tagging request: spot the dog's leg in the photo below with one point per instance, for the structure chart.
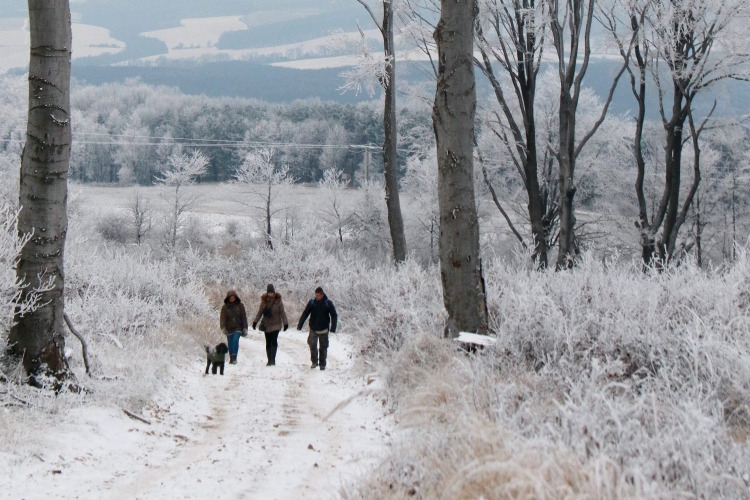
(214, 367)
(221, 368)
(208, 363)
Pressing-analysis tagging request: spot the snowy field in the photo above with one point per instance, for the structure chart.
(88, 41)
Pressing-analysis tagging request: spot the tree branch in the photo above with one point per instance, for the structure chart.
(372, 15)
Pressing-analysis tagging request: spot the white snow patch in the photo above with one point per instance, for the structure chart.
(197, 33)
(315, 47)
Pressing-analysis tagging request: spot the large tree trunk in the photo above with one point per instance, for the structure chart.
(453, 118)
(37, 337)
(390, 146)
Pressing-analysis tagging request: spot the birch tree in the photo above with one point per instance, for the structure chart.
(454, 113)
(37, 336)
(387, 79)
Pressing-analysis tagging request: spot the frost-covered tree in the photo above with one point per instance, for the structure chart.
(180, 172)
(141, 216)
(384, 70)
(511, 37)
(262, 179)
(336, 210)
(570, 23)
(421, 184)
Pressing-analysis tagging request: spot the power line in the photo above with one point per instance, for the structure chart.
(208, 143)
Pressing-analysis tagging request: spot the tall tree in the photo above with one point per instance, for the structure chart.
(453, 118)
(688, 46)
(390, 144)
(570, 26)
(37, 336)
(516, 43)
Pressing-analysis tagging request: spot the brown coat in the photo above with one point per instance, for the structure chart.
(278, 317)
(233, 317)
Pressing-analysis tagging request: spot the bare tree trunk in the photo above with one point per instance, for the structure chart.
(638, 87)
(390, 146)
(37, 337)
(577, 18)
(453, 116)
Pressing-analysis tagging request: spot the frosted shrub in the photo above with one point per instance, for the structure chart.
(604, 383)
(114, 227)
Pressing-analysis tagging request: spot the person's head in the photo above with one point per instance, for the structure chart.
(231, 298)
(270, 291)
(319, 294)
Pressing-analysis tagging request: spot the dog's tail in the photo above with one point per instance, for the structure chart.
(208, 349)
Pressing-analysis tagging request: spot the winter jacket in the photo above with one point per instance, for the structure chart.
(278, 318)
(322, 315)
(233, 317)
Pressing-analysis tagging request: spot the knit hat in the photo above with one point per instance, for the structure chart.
(270, 289)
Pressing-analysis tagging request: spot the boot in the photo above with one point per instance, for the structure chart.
(232, 359)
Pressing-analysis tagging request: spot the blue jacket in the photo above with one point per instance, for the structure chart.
(322, 315)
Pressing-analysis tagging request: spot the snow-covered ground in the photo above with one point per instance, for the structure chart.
(257, 432)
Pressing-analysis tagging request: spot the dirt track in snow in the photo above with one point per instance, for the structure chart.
(245, 435)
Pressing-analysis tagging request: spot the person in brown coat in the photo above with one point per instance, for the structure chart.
(233, 322)
(273, 317)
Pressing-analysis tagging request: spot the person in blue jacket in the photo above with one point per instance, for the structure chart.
(323, 320)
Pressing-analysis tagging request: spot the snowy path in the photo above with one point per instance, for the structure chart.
(245, 435)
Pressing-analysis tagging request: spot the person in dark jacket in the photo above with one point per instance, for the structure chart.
(271, 311)
(233, 322)
(323, 320)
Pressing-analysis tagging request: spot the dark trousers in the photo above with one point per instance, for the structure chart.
(272, 345)
(318, 357)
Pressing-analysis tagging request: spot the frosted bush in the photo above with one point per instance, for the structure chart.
(635, 386)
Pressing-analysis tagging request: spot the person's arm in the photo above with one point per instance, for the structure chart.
(223, 319)
(243, 316)
(334, 316)
(304, 316)
(258, 314)
(284, 319)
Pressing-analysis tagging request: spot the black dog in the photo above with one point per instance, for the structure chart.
(216, 357)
